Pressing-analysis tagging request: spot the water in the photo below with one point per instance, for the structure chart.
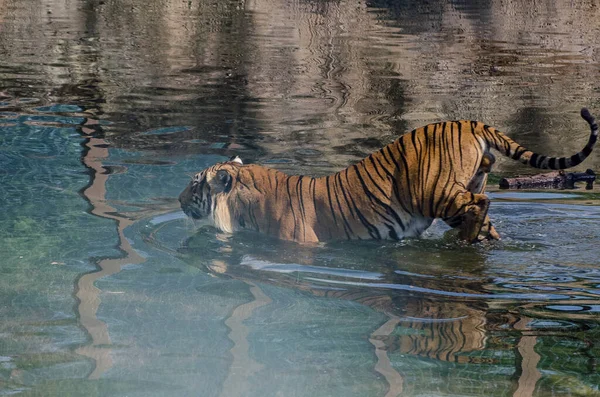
(107, 108)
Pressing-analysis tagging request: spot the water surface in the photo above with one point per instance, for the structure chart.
(107, 108)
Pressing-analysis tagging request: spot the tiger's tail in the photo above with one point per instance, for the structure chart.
(510, 148)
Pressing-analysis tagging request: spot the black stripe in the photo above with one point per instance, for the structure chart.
(541, 160)
(460, 210)
(383, 192)
(443, 148)
(395, 186)
(533, 159)
(199, 186)
(506, 147)
(451, 137)
(474, 128)
(301, 201)
(373, 232)
(437, 177)
(299, 194)
(254, 182)
(387, 172)
(243, 184)
(460, 143)
(421, 171)
(449, 204)
(346, 225)
(575, 160)
(394, 189)
(253, 217)
(276, 187)
(373, 198)
(370, 158)
(562, 163)
(518, 152)
(393, 159)
(505, 144)
(413, 138)
(291, 205)
(341, 186)
(383, 149)
(330, 202)
(313, 183)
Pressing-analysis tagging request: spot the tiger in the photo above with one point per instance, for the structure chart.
(438, 171)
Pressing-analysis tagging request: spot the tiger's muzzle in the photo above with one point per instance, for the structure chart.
(191, 203)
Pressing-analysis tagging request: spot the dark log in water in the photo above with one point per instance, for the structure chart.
(550, 180)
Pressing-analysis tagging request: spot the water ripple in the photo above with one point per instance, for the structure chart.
(529, 296)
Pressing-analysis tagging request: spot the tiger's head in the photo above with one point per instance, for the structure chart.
(205, 196)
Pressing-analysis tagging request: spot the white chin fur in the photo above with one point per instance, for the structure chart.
(222, 216)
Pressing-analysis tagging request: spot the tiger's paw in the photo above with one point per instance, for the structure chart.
(489, 234)
(493, 234)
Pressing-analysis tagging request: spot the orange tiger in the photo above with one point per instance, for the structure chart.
(436, 171)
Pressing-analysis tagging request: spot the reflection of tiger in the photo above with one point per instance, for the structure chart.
(436, 171)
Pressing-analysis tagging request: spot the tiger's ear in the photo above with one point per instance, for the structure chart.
(236, 159)
(223, 181)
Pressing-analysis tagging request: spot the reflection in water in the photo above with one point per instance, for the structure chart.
(308, 87)
(329, 80)
(446, 314)
(100, 348)
(529, 360)
(384, 366)
(242, 367)
(443, 330)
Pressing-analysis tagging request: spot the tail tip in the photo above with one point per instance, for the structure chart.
(587, 116)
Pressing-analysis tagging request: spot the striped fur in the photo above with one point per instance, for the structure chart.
(436, 171)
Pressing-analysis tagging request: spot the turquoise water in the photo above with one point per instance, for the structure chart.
(106, 289)
(164, 308)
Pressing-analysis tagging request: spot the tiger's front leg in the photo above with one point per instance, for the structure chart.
(468, 214)
(479, 204)
(488, 231)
